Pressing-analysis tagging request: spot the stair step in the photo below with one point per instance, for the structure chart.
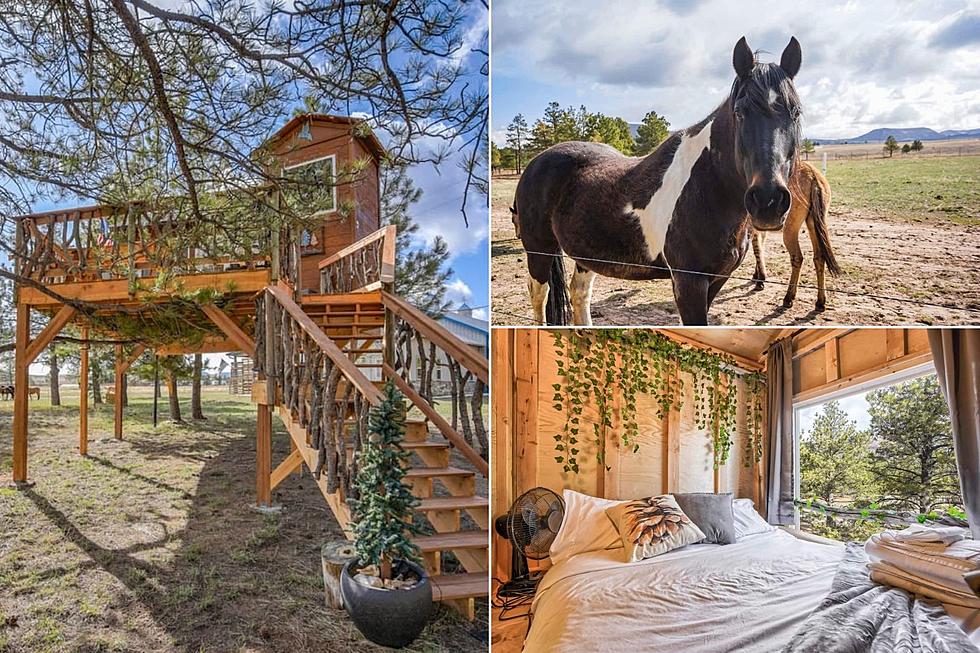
(453, 503)
(450, 541)
(459, 586)
(428, 472)
(425, 445)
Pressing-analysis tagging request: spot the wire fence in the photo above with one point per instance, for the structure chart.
(731, 277)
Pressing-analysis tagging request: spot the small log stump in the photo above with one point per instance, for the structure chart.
(334, 555)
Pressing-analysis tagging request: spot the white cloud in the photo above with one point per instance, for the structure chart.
(480, 313)
(458, 292)
(874, 63)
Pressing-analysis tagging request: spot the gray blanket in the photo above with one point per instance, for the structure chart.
(859, 615)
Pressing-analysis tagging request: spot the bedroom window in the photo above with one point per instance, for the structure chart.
(877, 457)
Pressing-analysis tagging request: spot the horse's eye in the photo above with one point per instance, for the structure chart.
(738, 114)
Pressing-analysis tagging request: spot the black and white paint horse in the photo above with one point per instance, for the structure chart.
(686, 206)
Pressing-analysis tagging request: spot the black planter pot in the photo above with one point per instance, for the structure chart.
(392, 618)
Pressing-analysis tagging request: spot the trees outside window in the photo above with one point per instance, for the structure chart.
(879, 460)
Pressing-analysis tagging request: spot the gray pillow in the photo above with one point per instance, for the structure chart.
(712, 513)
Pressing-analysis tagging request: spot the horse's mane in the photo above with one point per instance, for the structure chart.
(755, 90)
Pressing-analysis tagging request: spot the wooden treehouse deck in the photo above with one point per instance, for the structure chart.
(319, 357)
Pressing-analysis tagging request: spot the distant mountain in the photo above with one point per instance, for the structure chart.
(634, 128)
(903, 134)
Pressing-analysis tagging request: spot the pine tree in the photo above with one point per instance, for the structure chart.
(651, 133)
(808, 148)
(421, 274)
(383, 512)
(517, 136)
(834, 458)
(612, 131)
(913, 462)
(891, 145)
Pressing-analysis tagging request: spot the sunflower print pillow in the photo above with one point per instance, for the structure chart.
(651, 526)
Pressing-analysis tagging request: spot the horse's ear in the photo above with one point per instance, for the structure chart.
(792, 58)
(743, 59)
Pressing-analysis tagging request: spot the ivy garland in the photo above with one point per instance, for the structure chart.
(594, 364)
(755, 387)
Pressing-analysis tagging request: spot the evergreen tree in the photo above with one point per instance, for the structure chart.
(613, 131)
(906, 148)
(834, 458)
(916, 145)
(382, 514)
(517, 136)
(891, 145)
(421, 274)
(652, 132)
(913, 463)
(808, 148)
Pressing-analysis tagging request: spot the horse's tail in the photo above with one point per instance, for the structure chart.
(556, 311)
(817, 216)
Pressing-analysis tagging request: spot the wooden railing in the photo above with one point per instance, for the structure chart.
(427, 361)
(368, 264)
(320, 386)
(103, 242)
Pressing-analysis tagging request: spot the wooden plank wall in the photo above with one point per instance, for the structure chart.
(674, 455)
(826, 361)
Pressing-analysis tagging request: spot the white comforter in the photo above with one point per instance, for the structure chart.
(749, 596)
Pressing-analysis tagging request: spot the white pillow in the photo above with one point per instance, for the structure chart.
(585, 527)
(747, 520)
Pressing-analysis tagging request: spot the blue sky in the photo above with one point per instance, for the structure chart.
(867, 64)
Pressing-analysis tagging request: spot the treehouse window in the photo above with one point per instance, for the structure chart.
(877, 457)
(315, 192)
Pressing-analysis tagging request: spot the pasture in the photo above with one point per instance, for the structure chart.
(151, 544)
(905, 226)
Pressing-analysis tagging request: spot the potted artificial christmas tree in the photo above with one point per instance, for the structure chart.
(385, 591)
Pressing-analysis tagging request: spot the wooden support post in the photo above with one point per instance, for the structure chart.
(263, 456)
(83, 396)
(118, 393)
(21, 382)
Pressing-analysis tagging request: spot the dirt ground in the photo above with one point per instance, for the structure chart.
(151, 544)
(883, 251)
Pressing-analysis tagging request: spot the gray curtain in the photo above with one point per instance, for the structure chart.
(780, 508)
(956, 353)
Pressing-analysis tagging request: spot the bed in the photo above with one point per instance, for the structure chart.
(752, 595)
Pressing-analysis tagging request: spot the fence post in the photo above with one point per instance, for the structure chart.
(824, 164)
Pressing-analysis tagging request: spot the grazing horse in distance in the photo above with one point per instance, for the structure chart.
(34, 392)
(810, 206)
(684, 212)
(6, 392)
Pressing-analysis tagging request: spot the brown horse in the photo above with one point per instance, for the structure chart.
(811, 203)
(34, 392)
(6, 392)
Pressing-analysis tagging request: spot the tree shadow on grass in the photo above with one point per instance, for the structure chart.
(152, 544)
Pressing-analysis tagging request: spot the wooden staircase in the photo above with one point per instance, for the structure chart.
(353, 328)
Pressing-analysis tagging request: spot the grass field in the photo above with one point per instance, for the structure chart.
(905, 227)
(909, 188)
(151, 544)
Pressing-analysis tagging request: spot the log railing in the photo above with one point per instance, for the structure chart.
(368, 264)
(321, 387)
(104, 242)
(426, 362)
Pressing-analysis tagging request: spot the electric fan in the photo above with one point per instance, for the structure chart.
(531, 525)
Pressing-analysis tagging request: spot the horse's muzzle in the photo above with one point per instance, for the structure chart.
(768, 205)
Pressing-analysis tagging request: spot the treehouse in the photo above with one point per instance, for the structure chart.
(312, 304)
(719, 424)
